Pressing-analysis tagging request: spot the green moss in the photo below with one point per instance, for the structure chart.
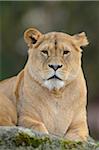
(48, 143)
(26, 140)
(97, 146)
(70, 144)
(1, 142)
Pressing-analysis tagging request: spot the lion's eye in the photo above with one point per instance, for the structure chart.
(66, 52)
(45, 52)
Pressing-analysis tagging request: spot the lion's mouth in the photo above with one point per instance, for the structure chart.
(54, 77)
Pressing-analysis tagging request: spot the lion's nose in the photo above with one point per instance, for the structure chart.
(55, 67)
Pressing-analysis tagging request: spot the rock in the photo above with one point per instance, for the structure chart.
(19, 138)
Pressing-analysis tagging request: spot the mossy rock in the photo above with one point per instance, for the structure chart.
(18, 138)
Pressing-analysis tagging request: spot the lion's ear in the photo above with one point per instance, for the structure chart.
(81, 39)
(31, 36)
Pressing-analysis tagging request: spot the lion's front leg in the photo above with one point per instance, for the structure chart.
(8, 114)
(28, 122)
(78, 130)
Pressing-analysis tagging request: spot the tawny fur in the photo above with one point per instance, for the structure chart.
(52, 106)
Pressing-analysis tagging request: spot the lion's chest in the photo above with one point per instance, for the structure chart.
(57, 117)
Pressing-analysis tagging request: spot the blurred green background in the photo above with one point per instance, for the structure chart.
(65, 16)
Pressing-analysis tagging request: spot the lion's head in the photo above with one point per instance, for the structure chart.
(55, 57)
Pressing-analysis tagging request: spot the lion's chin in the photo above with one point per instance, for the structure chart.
(53, 84)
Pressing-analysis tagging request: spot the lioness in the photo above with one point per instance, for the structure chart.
(49, 94)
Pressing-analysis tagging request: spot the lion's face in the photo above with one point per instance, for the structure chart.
(54, 58)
